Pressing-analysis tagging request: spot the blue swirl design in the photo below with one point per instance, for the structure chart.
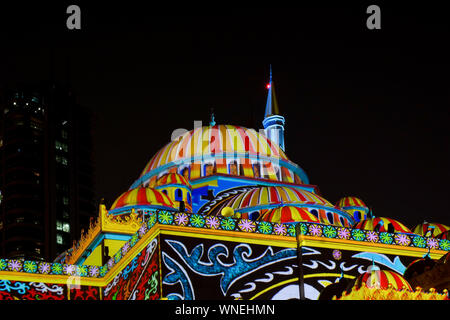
(177, 274)
(241, 266)
(131, 266)
(379, 258)
(20, 287)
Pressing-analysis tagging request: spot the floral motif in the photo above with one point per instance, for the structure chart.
(291, 230)
(44, 267)
(110, 263)
(372, 236)
(165, 217)
(82, 271)
(247, 225)
(197, 221)
(329, 231)
(432, 243)
(343, 233)
(14, 265)
(181, 219)
(228, 224)
(126, 247)
(134, 239)
(358, 235)
(118, 256)
(402, 239)
(142, 230)
(93, 271)
(419, 242)
(315, 230)
(30, 266)
(3, 264)
(444, 244)
(57, 268)
(103, 270)
(386, 238)
(212, 222)
(280, 229)
(337, 254)
(69, 269)
(151, 221)
(265, 227)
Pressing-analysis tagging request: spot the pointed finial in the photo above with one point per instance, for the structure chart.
(212, 122)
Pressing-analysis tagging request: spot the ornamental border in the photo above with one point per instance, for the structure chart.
(182, 219)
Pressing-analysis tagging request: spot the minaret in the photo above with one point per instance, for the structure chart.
(273, 122)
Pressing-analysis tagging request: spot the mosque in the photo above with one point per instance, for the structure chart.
(222, 213)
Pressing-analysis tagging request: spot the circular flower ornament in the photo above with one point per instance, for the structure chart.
(358, 235)
(30, 266)
(3, 264)
(93, 271)
(212, 222)
(280, 229)
(402, 239)
(432, 243)
(329, 231)
(419, 242)
(247, 225)
(44, 267)
(372, 236)
(57, 268)
(181, 219)
(386, 238)
(343, 233)
(227, 224)
(197, 221)
(444, 244)
(315, 230)
(165, 217)
(337, 254)
(265, 227)
(14, 265)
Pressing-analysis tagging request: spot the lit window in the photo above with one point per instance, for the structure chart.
(59, 239)
(66, 227)
(61, 146)
(64, 134)
(59, 225)
(65, 201)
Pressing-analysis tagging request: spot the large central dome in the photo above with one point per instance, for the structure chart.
(223, 149)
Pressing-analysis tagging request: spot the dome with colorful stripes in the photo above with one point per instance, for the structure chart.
(287, 215)
(355, 206)
(223, 149)
(262, 198)
(141, 198)
(381, 224)
(382, 279)
(172, 179)
(430, 229)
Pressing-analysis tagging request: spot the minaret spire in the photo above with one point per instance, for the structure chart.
(273, 122)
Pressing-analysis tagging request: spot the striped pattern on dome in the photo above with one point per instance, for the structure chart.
(275, 195)
(383, 279)
(288, 214)
(211, 140)
(172, 178)
(141, 196)
(348, 202)
(439, 228)
(371, 223)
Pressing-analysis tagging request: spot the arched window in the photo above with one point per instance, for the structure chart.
(254, 215)
(357, 216)
(330, 217)
(189, 199)
(178, 195)
(342, 221)
(315, 213)
(165, 192)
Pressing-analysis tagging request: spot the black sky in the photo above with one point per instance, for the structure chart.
(367, 110)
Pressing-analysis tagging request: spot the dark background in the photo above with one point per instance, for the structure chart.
(367, 111)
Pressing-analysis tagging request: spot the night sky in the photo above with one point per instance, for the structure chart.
(367, 111)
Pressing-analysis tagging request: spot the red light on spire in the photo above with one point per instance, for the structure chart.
(268, 86)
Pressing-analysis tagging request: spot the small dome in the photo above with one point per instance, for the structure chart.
(382, 279)
(417, 267)
(439, 228)
(354, 206)
(288, 214)
(172, 179)
(381, 224)
(141, 197)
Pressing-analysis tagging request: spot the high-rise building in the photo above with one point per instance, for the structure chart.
(46, 172)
